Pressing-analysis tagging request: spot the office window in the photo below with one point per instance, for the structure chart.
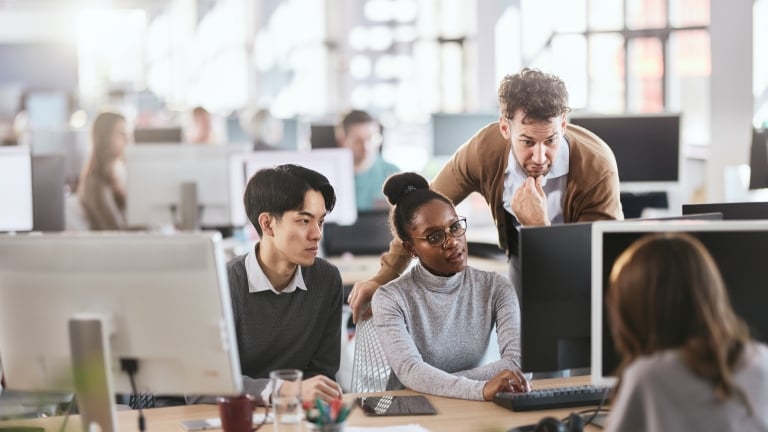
(606, 73)
(684, 13)
(605, 15)
(688, 87)
(633, 51)
(645, 70)
(644, 14)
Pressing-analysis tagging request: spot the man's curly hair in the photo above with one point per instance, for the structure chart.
(541, 96)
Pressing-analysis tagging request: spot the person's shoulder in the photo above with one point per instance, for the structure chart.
(659, 366)
(487, 275)
(488, 136)
(237, 263)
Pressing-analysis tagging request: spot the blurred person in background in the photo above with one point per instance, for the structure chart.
(265, 131)
(101, 189)
(361, 133)
(202, 127)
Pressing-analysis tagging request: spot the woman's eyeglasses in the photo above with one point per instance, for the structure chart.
(438, 238)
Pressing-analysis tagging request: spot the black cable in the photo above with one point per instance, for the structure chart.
(131, 366)
(597, 410)
(70, 409)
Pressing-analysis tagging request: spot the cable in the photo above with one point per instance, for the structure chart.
(597, 410)
(70, 409)
(131, 366)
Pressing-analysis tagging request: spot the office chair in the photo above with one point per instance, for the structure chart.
(370, 369)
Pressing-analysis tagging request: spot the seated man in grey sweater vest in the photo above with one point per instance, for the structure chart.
(286, 301)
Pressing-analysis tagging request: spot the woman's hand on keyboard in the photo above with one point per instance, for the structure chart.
(506, 381)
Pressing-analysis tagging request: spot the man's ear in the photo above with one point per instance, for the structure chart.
(504, 127)
(265, 222)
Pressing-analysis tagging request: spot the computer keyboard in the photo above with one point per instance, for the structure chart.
(559, 397)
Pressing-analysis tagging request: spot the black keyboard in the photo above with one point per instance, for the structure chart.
(559, 397)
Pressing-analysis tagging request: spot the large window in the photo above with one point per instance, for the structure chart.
(640, 56)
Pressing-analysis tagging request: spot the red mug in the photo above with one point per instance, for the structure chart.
(236, 412)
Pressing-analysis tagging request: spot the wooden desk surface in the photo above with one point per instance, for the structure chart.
(454, 415)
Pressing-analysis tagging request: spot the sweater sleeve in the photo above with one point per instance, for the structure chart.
(405, 359)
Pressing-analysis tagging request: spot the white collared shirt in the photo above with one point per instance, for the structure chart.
(553, 183)
(258, 281)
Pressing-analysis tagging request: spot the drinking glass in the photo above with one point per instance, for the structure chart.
(286, 400)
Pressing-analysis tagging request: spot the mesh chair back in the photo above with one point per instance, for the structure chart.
(370, 369)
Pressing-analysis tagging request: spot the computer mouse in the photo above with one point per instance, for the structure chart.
(550, 424)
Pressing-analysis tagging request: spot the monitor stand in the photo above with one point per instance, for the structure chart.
(190, 213)
(92, 372)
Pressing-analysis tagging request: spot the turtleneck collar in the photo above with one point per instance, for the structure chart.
(433, 282)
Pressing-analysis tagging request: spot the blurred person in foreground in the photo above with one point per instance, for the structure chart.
(688, 361)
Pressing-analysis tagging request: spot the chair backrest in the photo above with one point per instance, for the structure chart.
(370, 369)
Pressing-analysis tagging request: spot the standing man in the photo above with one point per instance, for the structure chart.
(360, 133)
(286, 301)
(531, 167)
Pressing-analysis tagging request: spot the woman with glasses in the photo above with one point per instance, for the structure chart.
(434, 321)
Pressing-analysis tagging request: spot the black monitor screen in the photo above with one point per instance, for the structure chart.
(740, 256)
(322, 136)
(450, 131)
(730, 211)
(758, 160)
(556, 274)
(369, 235)
(647, 147)
(555, 301)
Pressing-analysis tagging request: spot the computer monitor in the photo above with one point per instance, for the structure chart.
(555, 297)
(67, 322)
(158, 135)
(647, 147)
(336, 164)
(731, 210)
(369, 235)
(48, 109)
(186, 186)
(48, 180)
(555, 308)
(451, 130)
(758, 160)
(15, 189)
(322, 136)
(738, 247)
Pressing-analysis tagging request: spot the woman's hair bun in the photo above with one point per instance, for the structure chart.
(397, 186)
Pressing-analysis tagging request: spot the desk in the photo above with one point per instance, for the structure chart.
(357, 268)
(454, 415)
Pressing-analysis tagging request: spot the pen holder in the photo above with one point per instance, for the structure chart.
(332, 427)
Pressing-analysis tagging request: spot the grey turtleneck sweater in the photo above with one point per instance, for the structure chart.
(435, 330)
